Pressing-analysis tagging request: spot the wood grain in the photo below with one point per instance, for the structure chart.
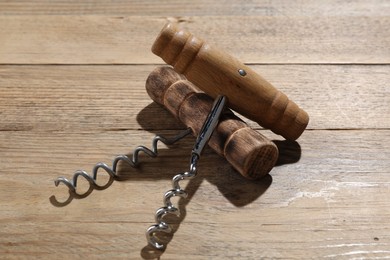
(92, 39)
(84, 98)
(327, 197)
(333, 201)
(197, 8)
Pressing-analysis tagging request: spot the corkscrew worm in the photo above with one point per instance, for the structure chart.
(112, 172)
(204, 135)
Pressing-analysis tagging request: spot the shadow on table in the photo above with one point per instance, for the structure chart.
(238, 190)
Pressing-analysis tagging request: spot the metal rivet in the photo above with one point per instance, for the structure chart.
(242, 72)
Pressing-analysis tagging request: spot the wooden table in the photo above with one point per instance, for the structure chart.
(72, 94)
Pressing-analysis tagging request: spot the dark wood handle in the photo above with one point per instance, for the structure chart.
(216, 72)
(248, 151)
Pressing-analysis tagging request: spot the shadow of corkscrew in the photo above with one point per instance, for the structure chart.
(237, 190)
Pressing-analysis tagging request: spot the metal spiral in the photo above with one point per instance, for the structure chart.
(168, 207)
(204, 135)
(112, 172)
(201, 141)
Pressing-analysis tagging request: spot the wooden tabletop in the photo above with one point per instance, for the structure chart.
(72, 94)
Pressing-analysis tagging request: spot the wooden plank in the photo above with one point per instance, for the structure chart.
(97, 98)
(127, 40)
(197, 8)
(327, 198)
(332, 202)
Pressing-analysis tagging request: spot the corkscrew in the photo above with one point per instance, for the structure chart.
(112, 171)
(168, 208)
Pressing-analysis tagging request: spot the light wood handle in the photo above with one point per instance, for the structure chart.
(249, 152)
(216, 72)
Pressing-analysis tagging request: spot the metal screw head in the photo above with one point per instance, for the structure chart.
(242, 72)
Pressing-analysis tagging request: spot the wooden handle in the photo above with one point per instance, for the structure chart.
(216, 72)
(249, 152)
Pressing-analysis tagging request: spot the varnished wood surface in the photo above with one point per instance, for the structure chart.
(216, 72)
(72, 94)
